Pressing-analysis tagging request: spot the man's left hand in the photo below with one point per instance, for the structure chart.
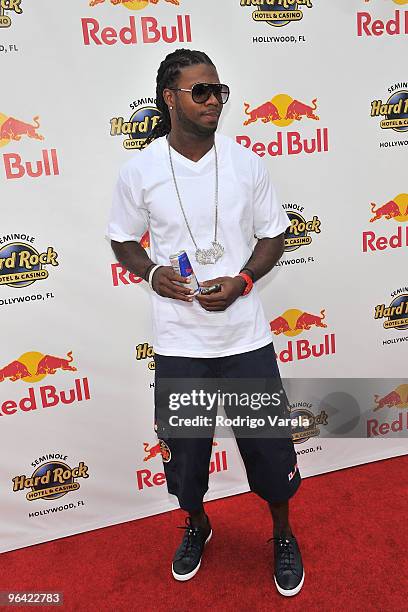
(231, 289)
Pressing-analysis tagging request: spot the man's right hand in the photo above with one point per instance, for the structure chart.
(164, 284)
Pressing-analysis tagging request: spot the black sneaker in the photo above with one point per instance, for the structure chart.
(187, 559)
(289, 574)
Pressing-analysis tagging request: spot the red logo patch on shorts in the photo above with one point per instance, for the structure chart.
(165, 451)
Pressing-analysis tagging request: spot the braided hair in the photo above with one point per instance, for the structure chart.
(167, 75)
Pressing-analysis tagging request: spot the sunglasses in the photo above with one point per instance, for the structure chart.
(201, 92)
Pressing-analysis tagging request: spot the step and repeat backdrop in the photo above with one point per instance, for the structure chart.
(318, 90)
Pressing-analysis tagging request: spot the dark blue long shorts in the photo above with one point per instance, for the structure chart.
(270, 463)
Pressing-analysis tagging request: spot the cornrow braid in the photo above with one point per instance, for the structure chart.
(167, 75)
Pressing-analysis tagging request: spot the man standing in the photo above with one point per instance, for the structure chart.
(199, 191)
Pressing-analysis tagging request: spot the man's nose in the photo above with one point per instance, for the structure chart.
(213, 100)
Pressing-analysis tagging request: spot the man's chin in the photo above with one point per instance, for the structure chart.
(201, 129)
(207, 130)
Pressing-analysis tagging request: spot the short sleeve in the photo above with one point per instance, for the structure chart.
(270, 219)
(128, 218)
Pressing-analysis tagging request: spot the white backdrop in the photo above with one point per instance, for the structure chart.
(76, 394)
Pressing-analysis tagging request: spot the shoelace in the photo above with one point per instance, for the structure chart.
(287, 553)
(190, 539)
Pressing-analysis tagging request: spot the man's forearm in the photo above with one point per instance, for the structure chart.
(133, 256)
(265, 256)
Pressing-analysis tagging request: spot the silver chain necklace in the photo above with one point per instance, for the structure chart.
(213, 254)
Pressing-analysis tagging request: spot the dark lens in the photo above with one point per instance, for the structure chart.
(225, 92)
(201, 92)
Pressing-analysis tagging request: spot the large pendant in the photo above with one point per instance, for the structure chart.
(209, 256)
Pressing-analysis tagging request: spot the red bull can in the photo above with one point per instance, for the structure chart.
(182, 266)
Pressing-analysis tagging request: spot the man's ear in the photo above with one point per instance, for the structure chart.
(168, 97)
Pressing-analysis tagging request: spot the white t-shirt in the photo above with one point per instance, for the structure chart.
(145, 198)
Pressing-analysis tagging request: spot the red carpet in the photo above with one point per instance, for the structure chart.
(351, 525)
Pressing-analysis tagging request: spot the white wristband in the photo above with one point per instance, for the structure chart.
(150, 277)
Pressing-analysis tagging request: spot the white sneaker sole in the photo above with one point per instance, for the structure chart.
(184, 577)
(290, 592)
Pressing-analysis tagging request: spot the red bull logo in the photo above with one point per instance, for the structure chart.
(140, 125)
(394, 316)
(22, 265)
(33, 367)
(398, 398)
(151, 451)
(395, 399)
(145, 351)
(395, 210)
(294, 322)
(282, 111)
(367, 25)
(266, 112)
(12, 129)
(161, 448)
(394, 110)
(121, 275)
(147, 31)
(145, 478)
(277, 13)
(9, 6)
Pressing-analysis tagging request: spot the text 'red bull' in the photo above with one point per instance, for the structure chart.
(304, 349)
(374, 242)
(47, 396)
(120, 274)
(16, 168)
(151, 32)
(146, 478)
(367, 26)
(375, 428)
(292, 144)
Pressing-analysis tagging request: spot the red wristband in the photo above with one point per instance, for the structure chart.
(249, 282)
